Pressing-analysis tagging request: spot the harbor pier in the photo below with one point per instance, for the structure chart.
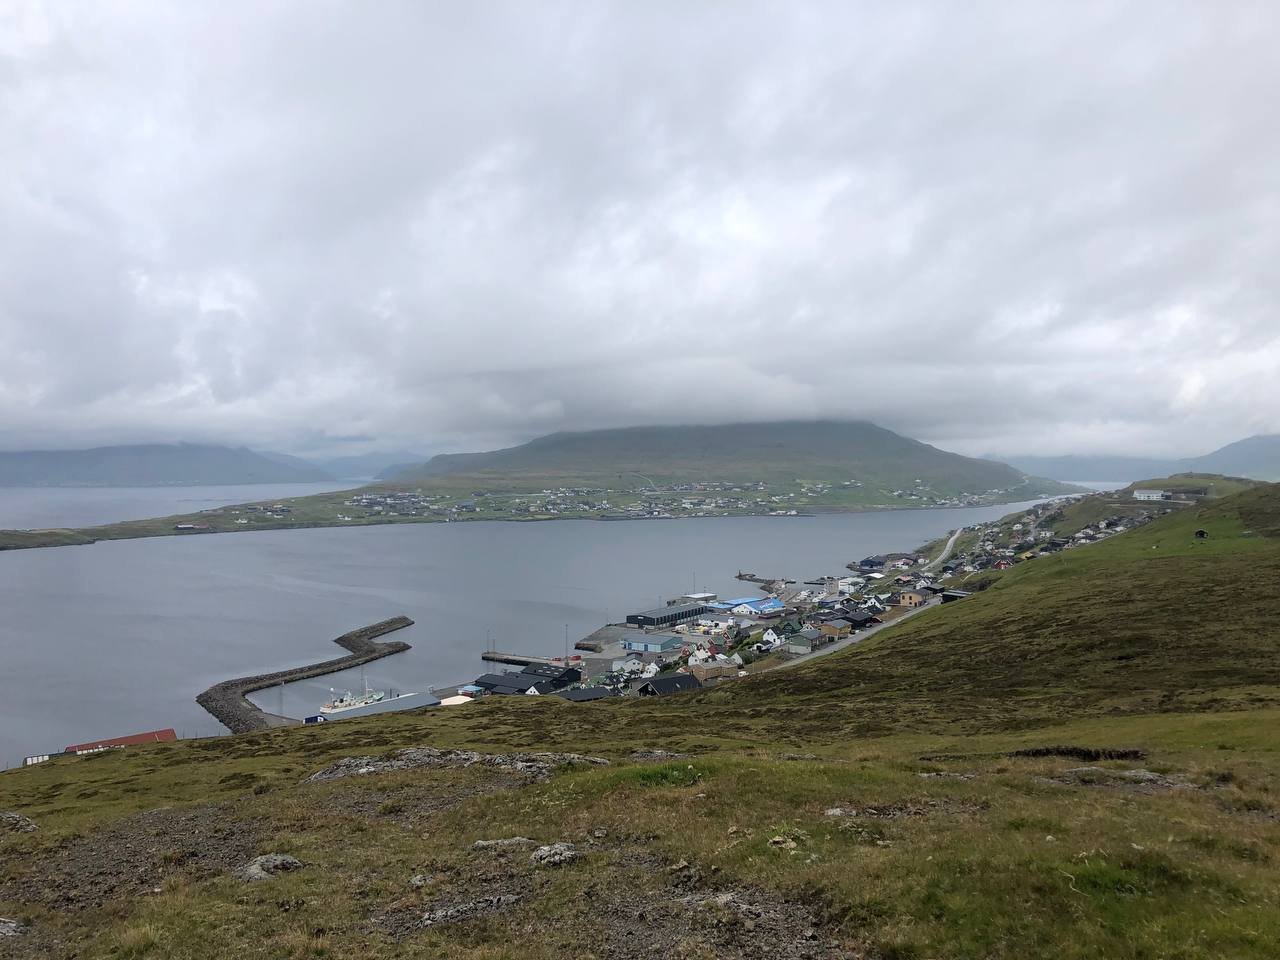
(228, 701)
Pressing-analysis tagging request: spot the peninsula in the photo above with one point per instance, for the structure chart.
(751, 469)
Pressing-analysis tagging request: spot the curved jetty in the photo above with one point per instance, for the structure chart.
(227, 700)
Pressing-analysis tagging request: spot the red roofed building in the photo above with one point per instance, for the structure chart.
(152, 736)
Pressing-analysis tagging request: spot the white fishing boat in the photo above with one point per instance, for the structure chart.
(371, 701)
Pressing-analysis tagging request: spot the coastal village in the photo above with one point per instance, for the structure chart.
(647, 501)
(700, 639)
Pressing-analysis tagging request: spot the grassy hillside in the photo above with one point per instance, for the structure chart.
(1087, 511)
(924, 794)
(820, 451)
(1213, 485)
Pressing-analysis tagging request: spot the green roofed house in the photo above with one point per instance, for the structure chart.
(806, 641)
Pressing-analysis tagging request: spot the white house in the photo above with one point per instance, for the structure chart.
(628, 665)
(1141, 494)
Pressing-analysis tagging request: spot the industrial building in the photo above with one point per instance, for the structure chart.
(667, 616)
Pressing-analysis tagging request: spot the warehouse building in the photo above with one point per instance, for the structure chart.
(667, 616)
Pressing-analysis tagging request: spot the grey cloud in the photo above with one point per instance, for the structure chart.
(1028, 227)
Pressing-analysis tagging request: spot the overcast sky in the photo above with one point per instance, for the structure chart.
(323, 226)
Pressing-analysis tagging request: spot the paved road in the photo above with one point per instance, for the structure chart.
(946, 551)
(854, 637)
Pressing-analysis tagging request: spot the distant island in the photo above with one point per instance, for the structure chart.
(752, 469)
(155, 464)
(1257, 458)
(829, 452)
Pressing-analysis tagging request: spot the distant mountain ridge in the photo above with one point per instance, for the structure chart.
(1256, 458)
(822, 451)
(367, 464)
(144, 465)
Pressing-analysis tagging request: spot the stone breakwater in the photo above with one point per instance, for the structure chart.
(228, 701)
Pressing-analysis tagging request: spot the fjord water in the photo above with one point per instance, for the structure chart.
(37, 508)
(120, 636)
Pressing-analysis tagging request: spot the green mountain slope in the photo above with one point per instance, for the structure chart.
(824, 451)
(1079, 762)
(151, 465)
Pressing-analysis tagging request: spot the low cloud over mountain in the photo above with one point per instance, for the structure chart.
(1040, 228)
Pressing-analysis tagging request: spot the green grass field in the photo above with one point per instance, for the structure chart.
(947, 844)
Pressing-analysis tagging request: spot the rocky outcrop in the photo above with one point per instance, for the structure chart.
(554, 855)
(465, 911)
(270, 864)
(503, 843)
(11, 822)
(537, 765)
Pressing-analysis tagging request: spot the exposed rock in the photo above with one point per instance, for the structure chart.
(1137, 777)
(268, 865)
(908, 808)
(419, 880)
(464, 911)
(554, 854)
(797, 756)
(651, 756)
(531, 764)
(10, 928)
(504, 842)
(945, 775)
(11, 822)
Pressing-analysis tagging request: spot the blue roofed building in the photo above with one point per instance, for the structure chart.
(653, 643)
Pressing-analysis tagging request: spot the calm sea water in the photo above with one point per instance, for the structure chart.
(34, 508)
(119, 637)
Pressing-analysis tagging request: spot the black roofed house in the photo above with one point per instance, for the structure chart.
(871, 563)
(587, 694)
(491, 682)
(666, 685)
(860, 619)
(950, 596)
(556, 674)
(550, 676)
